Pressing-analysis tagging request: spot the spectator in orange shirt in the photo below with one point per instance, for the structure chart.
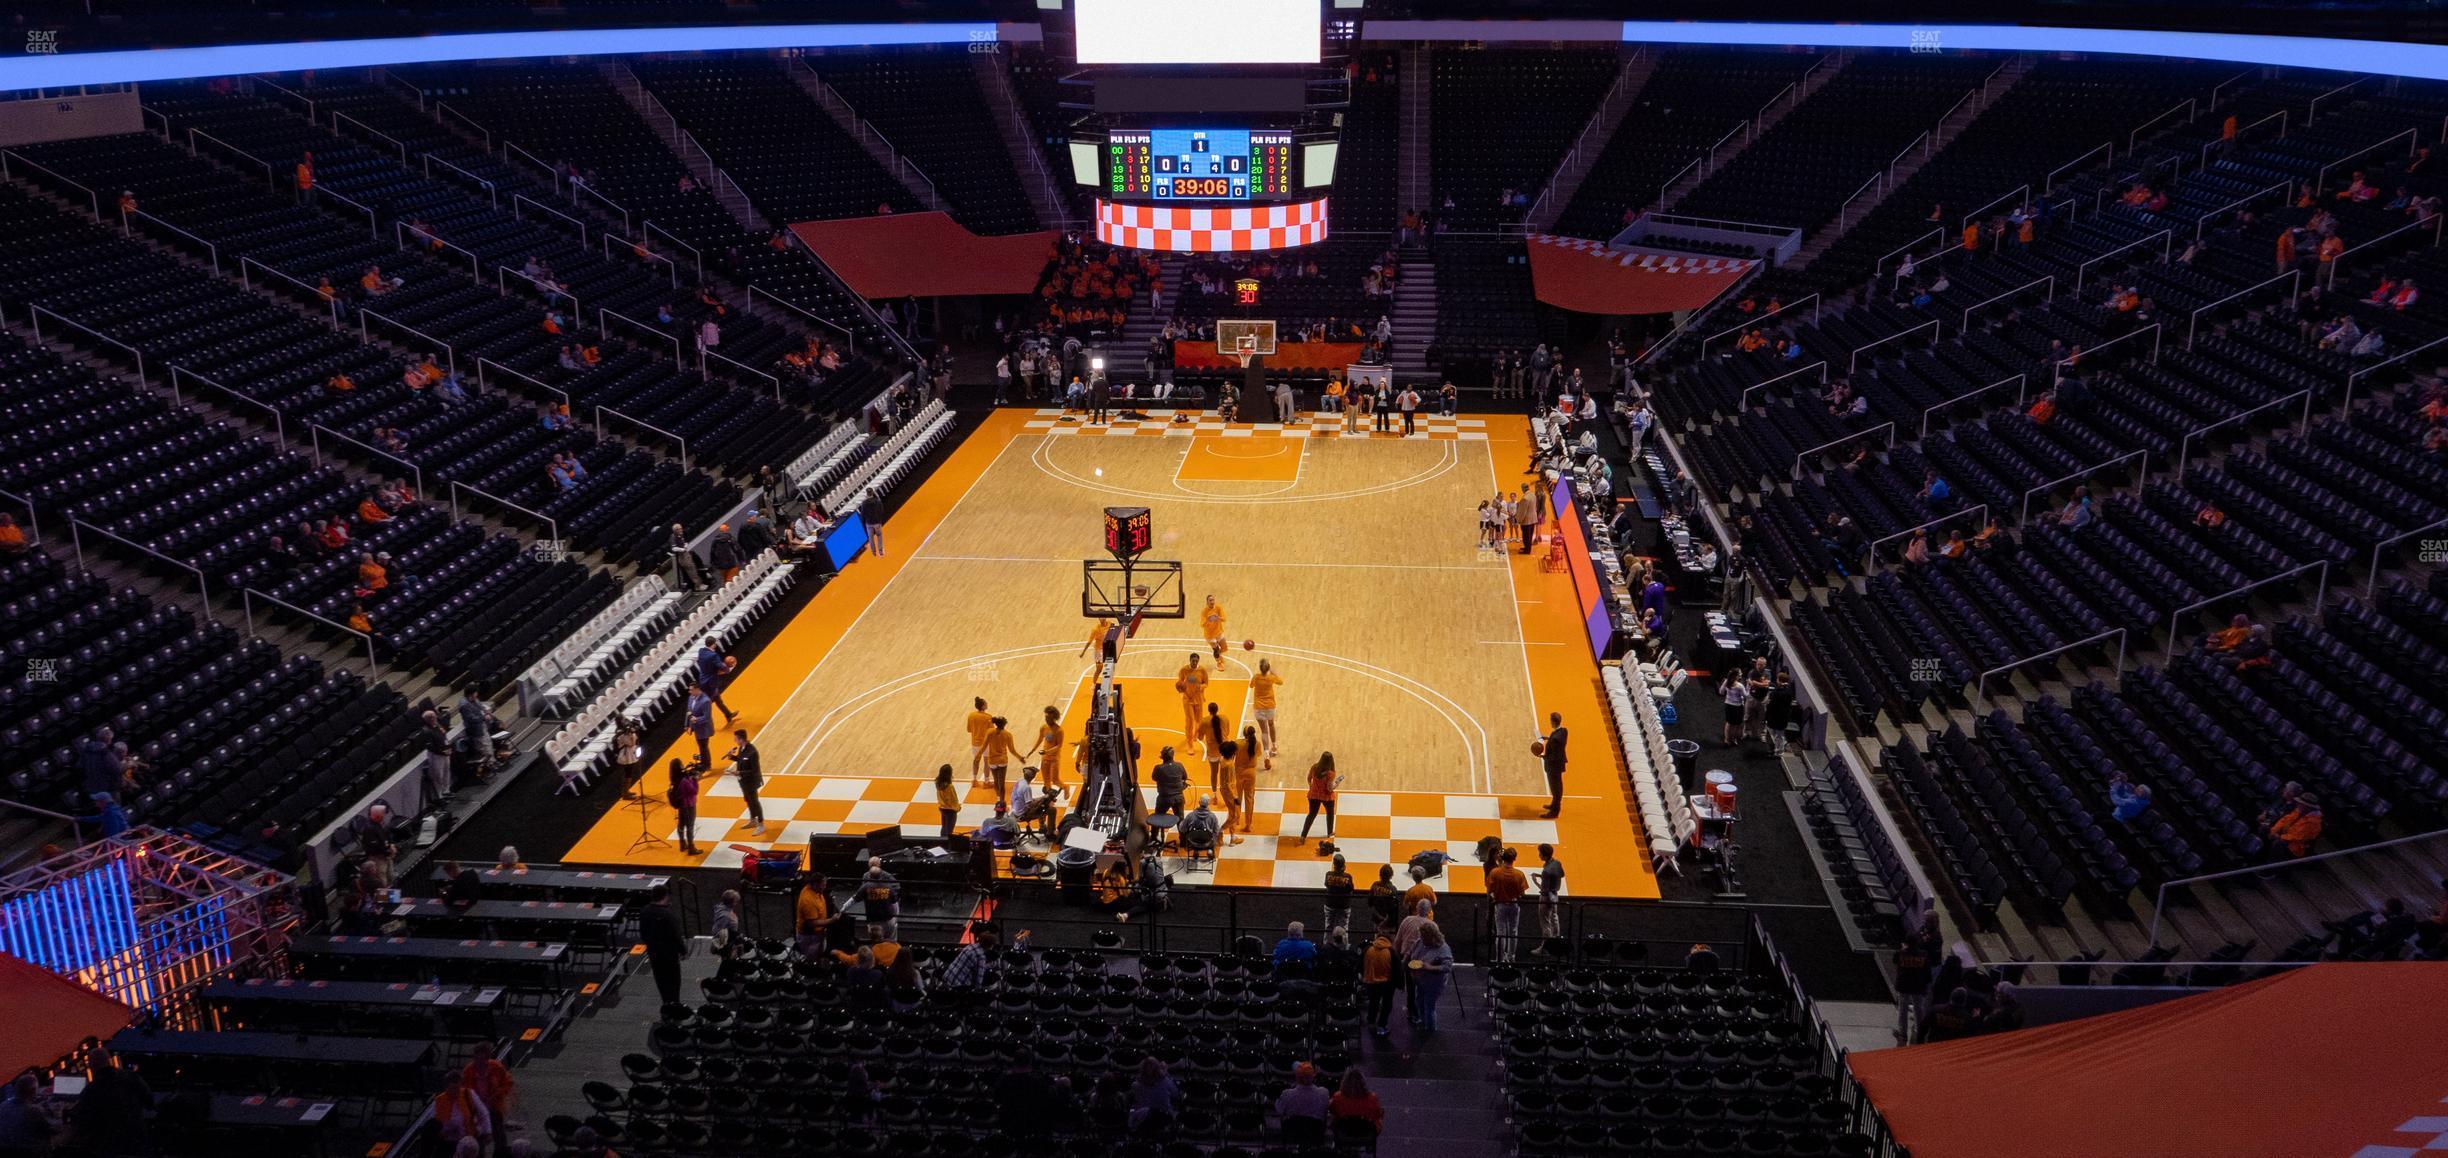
(590, 354)
(12, 536)
(1972, 237)
(2043, 410)
(357, 619)
(2330, 247)
(339, 384)
(372, 511)
(373, 282)
(333, 536)
(2286, 249)
(371, 575)
(2209, 517)
(2230, 637)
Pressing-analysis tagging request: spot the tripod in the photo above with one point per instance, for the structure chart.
(645, 837)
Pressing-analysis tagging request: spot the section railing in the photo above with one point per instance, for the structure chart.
(642, 424)
(2023, 513)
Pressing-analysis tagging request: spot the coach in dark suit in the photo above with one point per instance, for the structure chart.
(1100, 396)
(1554, 758)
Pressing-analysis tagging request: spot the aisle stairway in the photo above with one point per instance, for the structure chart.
(1443, 1094)
(1415, 316)
(1816, 79)
(1947, 131)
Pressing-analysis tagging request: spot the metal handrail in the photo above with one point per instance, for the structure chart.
(578, 187)
(1780, 95)
(77, 526)
(510, 147)
(2083, 271)
(35, 314)
(33, 517)
(1937, 330)
(1744, 403)
(248, 597)
(1803, 457)
(2221, 86)
(384, 75)
(552, 528)
(836, 327)
(2050, 280)
(2202, 224)
(492, 194)
(271, 175)
(8, 155)
(1981, 508)
(214, 251)
(639, 248)
(399, 235)
(280, 431)
(603, 328)
(1980, 688)
(373, 220)
(482, 383)
(1678, 175)
(2023, 515)
(1879, 267)
(2345, 401)
(2160, 906)
(2023, 191)
(520, 199)
(2312, 110)
(704, 354)
(2176, 617)
(2320, 179)
(364, 335)
(2058, 367)
(2184, 449)
(694, 252)
(314, 437)
(332, 302)
(2133, 139)
(2022, 384)
(1920, 142)
(2048, 184)
(1812, 298)
(338, 116)
(2280, 116)
(501, 283)
(442, 112)
(641, 424)
(2373, 581)
(2435, 222)
(1876, 179)
(284, 90)
(2193, 323)
(148, 111)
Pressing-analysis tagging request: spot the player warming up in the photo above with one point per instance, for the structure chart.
(1262, 706)
(980, 722)
(1096, 638)
(1211, 625)
(1050, 742)
(1191, 682)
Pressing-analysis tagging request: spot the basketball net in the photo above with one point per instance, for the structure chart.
(1245, 348)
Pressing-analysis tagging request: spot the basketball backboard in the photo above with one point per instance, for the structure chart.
(1148, 588)
(1230, 331)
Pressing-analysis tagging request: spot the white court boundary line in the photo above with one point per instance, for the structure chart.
(1477, 760)
(1529, 686)
(1042, 457)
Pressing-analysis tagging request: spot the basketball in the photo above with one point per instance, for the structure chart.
(1249, 645)
(1538, 747)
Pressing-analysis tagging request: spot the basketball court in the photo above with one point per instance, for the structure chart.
(1424, 663)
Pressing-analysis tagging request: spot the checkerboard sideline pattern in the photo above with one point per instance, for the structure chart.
(1160, 423)
(1372, 828)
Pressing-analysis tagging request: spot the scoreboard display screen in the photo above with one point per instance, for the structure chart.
(1200, 164)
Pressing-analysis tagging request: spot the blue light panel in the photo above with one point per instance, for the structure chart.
(69, 69)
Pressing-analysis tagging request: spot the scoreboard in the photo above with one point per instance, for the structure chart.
(1199, 164)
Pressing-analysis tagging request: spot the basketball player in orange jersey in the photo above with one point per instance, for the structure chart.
(1262, 705)
(981, 722)
(1096, 638)
(1191, 682)
(1049, 741)
(1244, 798)
(1211, 625)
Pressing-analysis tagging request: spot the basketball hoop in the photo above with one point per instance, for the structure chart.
(1245, 348)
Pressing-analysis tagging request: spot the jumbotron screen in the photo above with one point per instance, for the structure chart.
(1200, 164)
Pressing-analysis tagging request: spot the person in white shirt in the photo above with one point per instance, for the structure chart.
(1026, 800)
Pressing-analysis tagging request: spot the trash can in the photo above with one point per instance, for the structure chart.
(1073, 868)
(1686, 757)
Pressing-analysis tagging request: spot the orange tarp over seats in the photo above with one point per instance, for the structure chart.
(1574, 273)
(925, 255)
(2339, 1059)
(1329, 356)
(49, 1016)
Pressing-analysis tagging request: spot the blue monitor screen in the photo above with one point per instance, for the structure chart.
(847, 538)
